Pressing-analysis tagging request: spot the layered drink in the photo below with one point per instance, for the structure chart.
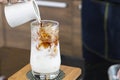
(45, 50)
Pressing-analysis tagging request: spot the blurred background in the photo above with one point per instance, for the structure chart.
(15, 42)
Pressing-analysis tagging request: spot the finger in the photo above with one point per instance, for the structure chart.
(1, 0)
(13, 1)
(5, 1)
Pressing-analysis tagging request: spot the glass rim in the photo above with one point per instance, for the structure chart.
(53, 21)
(113, 67)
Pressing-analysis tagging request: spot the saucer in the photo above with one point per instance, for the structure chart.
(30, 76)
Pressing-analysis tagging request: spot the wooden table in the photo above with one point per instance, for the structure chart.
(71, 73)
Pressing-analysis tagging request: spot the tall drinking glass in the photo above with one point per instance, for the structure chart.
(114, 72)
(45, 50)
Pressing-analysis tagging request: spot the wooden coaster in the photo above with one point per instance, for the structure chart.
(71, 73)
(31, 77)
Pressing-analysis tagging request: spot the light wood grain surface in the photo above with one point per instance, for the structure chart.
(71, 73)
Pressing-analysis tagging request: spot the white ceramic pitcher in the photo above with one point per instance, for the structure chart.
(21, 12)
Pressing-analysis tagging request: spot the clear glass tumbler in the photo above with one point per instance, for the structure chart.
(114, 72)
(45, 57)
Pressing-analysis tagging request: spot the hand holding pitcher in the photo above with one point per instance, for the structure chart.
(21, 12)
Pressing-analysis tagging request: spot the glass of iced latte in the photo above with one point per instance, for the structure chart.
(45, 50)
